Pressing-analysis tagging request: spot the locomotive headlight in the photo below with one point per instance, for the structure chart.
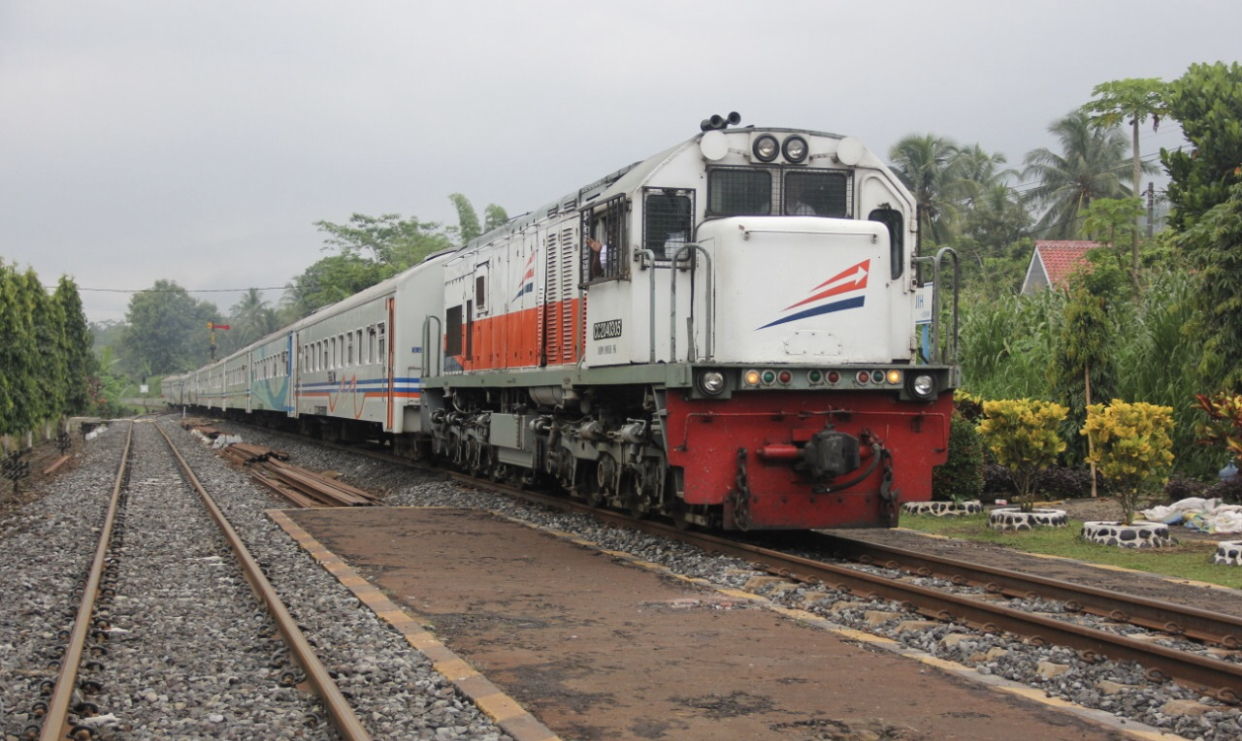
(923, 386)
(711, 382)
(766, 148)
(795, 149)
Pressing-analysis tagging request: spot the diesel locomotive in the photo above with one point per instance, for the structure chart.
(736, 332)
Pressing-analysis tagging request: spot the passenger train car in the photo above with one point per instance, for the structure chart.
(724, 334)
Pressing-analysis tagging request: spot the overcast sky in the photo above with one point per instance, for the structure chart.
(199, 141)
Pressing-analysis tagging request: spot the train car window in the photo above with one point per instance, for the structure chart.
(349, 350)
(818, 193)
(892, 219)
(668, 221)
(383, 356)
(738, 191)
(480, 292)
(605, 226)
(371, 344)
(358, 334)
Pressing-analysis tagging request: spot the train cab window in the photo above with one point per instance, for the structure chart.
(604, 241)
(739, 191)
(452, 331)
(668, 221)
(892, 219)
(817, 193)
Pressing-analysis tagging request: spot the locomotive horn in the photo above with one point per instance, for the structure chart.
(720, 122)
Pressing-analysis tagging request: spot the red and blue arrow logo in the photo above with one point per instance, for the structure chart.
(527, 284)
(850, 280)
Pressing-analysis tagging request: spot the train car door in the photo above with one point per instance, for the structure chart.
(292, 375)
(388, 353)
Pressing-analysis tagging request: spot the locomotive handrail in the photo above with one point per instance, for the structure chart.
(424, 366)
(646, 259)
(672, 335)
(935, 310)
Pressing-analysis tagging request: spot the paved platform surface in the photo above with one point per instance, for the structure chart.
(595, 646)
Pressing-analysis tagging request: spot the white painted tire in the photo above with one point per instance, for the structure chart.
(942, 509)
(1014, 519)
(1137, 535)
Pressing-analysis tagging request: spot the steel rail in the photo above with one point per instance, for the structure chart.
(56, 720)
(339, 710)
(1203, 625)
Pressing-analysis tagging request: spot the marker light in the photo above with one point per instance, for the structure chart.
(877, 376)
(785, 376)
(815, 376)
(768, 377)
(752, 378)
(864, 377)
(834, 377)
(894, 376)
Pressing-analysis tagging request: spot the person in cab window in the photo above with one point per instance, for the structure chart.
(599, 256)
(797, 198)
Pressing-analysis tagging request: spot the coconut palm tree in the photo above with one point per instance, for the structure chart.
(926, 165)
(1092, 164)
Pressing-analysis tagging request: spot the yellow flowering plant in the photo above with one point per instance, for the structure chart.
(1132, 444)
(1022, 436)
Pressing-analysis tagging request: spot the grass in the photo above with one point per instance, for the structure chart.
(1190, 559)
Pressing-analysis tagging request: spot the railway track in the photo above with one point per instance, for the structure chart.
(1207, 675)
(980, 612)
(69, 713)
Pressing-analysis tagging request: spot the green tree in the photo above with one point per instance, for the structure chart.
(166, 331)
(47, 325)
(925, 163)
(1207, 102)
(1135, 99)
(17, 381)
(1090, 166)
(468, 227)
(494, 217)
(1214, 245)
(80, 363)
(329, 280)
(390, 241)
(1109, 221)
(250, 319)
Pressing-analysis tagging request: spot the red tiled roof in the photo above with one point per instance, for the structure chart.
(1062, 257)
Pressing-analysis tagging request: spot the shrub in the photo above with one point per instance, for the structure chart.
(1178, 488)
(961, 476)
(1022, 435)
(1132, 444)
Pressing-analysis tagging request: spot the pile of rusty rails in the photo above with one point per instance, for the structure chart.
(301, 487)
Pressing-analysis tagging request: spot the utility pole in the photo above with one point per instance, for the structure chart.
(1151, 207)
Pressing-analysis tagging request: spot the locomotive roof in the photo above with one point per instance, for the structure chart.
(622, 181)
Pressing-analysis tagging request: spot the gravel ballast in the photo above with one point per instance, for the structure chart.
(397, 693)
